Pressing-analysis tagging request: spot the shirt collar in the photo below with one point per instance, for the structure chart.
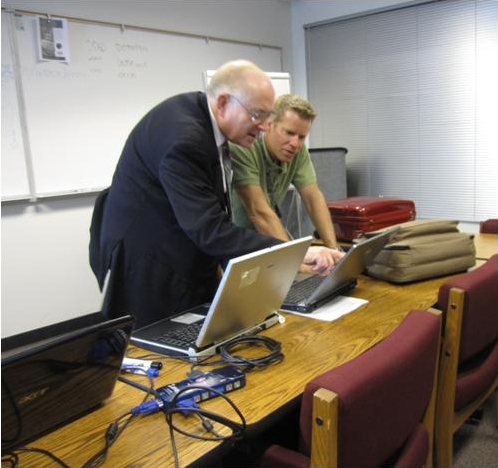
(219, 138)
(270, 162)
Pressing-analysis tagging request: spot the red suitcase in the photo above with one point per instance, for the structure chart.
(355, 216)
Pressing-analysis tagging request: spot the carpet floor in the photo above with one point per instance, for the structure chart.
(475, 444)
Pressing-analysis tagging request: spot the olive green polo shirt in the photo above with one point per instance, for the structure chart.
(254, 166)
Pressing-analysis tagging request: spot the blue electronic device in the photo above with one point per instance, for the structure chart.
(204, 386)
(222, 380)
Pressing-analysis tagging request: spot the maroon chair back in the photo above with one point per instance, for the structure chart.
(490, 226)
(480, 320)
(478, 354)
(383, 395)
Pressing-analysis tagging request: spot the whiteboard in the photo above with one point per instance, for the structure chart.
(79, 114)
(15, 182)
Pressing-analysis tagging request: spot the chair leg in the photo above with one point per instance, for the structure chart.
(496, 407)
(444, 451)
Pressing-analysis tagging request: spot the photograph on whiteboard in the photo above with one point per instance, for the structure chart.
(53, 42)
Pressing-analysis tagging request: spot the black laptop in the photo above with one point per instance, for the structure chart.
(57, 373)
(312, 291)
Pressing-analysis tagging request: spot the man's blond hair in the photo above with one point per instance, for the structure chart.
(295, 103)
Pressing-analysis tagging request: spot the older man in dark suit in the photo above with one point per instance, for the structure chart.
(164, 225)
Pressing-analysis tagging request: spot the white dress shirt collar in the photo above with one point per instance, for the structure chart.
(218, 136)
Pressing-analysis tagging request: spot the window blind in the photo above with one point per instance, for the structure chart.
(412, 93)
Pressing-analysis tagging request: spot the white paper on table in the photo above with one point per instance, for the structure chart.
(334, 309)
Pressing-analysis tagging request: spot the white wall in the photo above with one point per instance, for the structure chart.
(46, 277)
(45, 273)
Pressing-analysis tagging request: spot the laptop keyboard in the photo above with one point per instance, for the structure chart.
(182, 338)
(301, 290)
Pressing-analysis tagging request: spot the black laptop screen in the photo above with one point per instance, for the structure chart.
(49, 382)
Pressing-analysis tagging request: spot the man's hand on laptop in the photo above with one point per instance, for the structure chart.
(320, 260)
(337, 253)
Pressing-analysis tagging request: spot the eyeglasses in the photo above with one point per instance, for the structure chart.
(256, 115)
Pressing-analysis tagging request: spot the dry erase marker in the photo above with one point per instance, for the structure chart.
(143, 363)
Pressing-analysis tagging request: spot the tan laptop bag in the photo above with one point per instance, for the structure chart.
(424, 249)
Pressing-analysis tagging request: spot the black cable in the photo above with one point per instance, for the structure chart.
(208, 426)
(237, 428)
(206, 417)
(274, 355)
(12, 458)
(111, 435)
(208, 361)
(114, 430)
(144, 388)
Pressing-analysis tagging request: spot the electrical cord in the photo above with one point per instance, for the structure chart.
(206, 417)
(114, 430)
(149, 390)
(11, 459)
(273, 356)
(111, 435)
(209, 426)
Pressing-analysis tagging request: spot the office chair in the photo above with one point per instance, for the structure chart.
(468, 371)
(330, 167)
(375, 410)
(490, 226)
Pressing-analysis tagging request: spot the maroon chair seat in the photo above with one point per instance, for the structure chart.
(384, 403)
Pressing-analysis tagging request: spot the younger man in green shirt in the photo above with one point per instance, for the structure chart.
(262, 173)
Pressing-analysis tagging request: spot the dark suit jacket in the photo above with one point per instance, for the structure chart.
(163, 228)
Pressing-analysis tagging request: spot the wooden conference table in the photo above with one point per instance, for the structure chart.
(310, 347)
(486, 245)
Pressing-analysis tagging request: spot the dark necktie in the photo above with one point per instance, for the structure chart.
(227, 168)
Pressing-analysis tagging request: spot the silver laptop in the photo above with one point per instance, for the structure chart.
(312, 291)
(248, 298)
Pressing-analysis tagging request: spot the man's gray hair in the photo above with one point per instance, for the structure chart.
(231, 78)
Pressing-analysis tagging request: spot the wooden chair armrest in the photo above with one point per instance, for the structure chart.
(324, 429)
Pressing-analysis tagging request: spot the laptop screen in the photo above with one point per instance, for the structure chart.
(57, 373)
